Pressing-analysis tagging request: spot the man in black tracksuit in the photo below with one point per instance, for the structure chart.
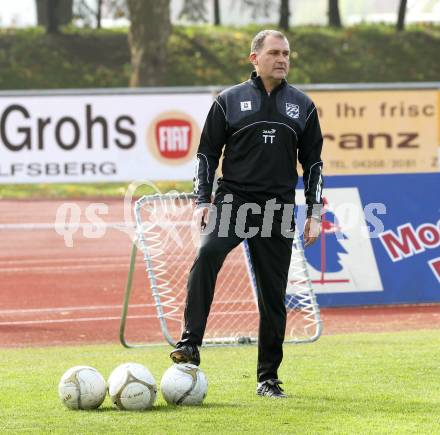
(263, 124)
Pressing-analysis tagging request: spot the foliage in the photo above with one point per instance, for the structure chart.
(320, 54)
(207, 55)
(30, 59)
(348, 384)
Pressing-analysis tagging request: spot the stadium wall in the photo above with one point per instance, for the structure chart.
(380, 240)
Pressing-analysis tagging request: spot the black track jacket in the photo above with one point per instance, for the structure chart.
(262, 135)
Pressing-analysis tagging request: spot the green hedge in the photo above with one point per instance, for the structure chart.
(206, 55)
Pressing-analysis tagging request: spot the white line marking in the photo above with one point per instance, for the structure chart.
(63, 260)
(63, 269)
(49, 310)
(97, 319)
(80, 319)
(61, 309)
(54, 226)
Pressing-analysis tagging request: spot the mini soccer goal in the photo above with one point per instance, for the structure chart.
(168, 242)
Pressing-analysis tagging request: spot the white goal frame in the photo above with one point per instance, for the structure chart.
(162, 220)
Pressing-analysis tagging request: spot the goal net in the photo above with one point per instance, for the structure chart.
(168, 242)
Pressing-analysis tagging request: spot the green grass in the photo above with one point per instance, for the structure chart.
(85, 190)
(350, 384)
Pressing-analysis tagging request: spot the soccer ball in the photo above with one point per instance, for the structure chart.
(82, 387)
(184, 384)
(132, 387)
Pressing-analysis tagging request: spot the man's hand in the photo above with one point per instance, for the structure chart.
(200, 217)
(312, 229)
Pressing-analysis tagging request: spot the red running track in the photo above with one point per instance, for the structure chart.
(55, 294)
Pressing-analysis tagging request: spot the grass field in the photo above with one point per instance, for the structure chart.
(85, 190)
(346, 384)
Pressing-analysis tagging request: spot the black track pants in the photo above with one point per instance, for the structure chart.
(270, 258)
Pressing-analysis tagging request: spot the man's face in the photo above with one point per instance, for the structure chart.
(272, 61)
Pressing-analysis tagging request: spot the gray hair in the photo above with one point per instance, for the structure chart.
(258, 41)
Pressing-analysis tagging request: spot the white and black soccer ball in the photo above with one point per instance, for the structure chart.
(82, 387)
(184, 384)
(132, 387)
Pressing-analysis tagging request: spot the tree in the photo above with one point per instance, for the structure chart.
(98, 13)
(150, 28)
(259, 7)
(194, 11)
(115, 9)
(217, 20)
(88, 14)
(54, 13)
(284, 14)
(92, 15)
(334, 18)
(401, 16)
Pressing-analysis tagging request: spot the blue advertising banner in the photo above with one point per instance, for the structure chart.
(380, 241)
